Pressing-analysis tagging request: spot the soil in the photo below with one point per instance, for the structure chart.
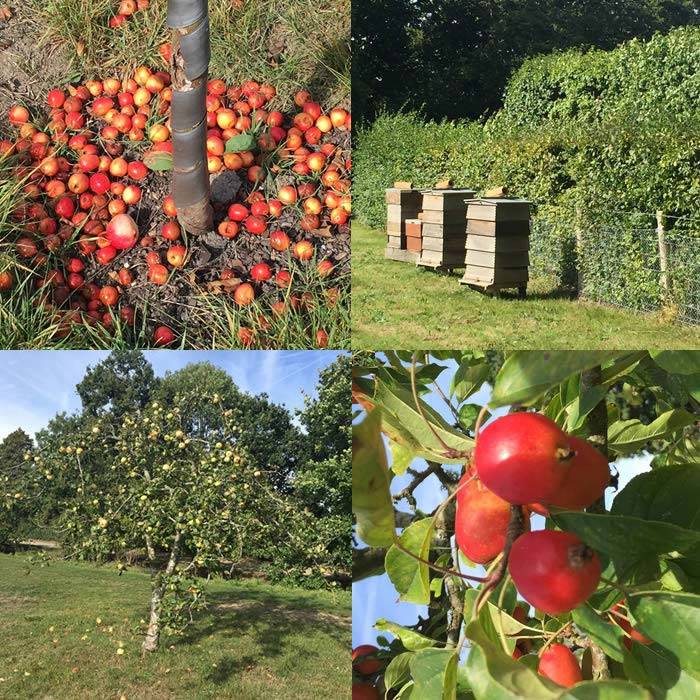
(26, 75)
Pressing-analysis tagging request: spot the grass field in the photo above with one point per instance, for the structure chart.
(396, 305)
(255, 641)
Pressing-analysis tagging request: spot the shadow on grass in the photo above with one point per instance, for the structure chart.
(277, 625)
(333, 62)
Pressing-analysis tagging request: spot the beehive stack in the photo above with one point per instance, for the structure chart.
(497, 244)
(402, 203)
(444, 230)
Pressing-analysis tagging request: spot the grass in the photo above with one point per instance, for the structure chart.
(255, 641)
(292, 44)
(397, 305)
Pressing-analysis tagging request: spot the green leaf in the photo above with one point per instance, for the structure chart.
(623, 536)
(582, 405)
(158, 161)
(468, 413)
(527, 374)
(658, 667)
(606, 690)
(398, 671)
(434, 673)
(627, 436)
(410, 576)
(371, 498)
(673, 621)
(240, 143)
(493, 675)
(606, 635)
(467, 379)
(403, 423)
(401, 457)
(412, 640)
(677, 361)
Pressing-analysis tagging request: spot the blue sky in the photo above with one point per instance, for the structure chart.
(376, 597)
(36, 385)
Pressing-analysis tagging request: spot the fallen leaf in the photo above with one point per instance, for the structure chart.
(223, 286)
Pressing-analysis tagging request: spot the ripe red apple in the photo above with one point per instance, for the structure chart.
(106, 255)
(560, 665)
(255, 225)
(65, 207)
(321, 339)
(131, 194)
(99, 183)
(362, 664)
(586, 480)
(163, 336)
(481, 520)
(109, 295)
(122, 232)
(279, 240)
(554, 571)
(523, 457)
(158, 274)
(261, 272)
(238, 212)
(6, 280)
(287, 194)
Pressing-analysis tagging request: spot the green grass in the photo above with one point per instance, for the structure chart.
(397, 305)
(292, 44)
(256, 640)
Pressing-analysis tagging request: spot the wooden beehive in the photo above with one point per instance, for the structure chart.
(403, 203)
(444, 228)
(497, 244)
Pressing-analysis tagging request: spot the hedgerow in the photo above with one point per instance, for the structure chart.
(605, 133)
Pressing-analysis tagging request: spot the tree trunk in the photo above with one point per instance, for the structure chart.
(150, 643)
(150, 551)
(189, 65)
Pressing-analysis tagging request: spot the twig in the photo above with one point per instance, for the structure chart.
(435, 567)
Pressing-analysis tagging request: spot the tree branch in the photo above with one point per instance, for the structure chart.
(597, 423)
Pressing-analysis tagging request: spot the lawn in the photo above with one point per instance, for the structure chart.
(63, 624)
(397, 305)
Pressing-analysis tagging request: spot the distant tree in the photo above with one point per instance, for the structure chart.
(323, 479)
(13, 448)
(14, 504)
(452, 58)
(120, 384)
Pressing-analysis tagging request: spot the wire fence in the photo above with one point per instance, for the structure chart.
(621, 264)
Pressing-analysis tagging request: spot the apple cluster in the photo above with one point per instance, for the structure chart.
(83, 172)
(127, 9)
(365, 667)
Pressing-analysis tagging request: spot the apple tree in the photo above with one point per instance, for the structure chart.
(604, 600)
(189, 498)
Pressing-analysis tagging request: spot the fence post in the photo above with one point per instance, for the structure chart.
(663, 252)
(579, 250)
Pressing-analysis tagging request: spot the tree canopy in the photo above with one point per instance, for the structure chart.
(452, 58)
